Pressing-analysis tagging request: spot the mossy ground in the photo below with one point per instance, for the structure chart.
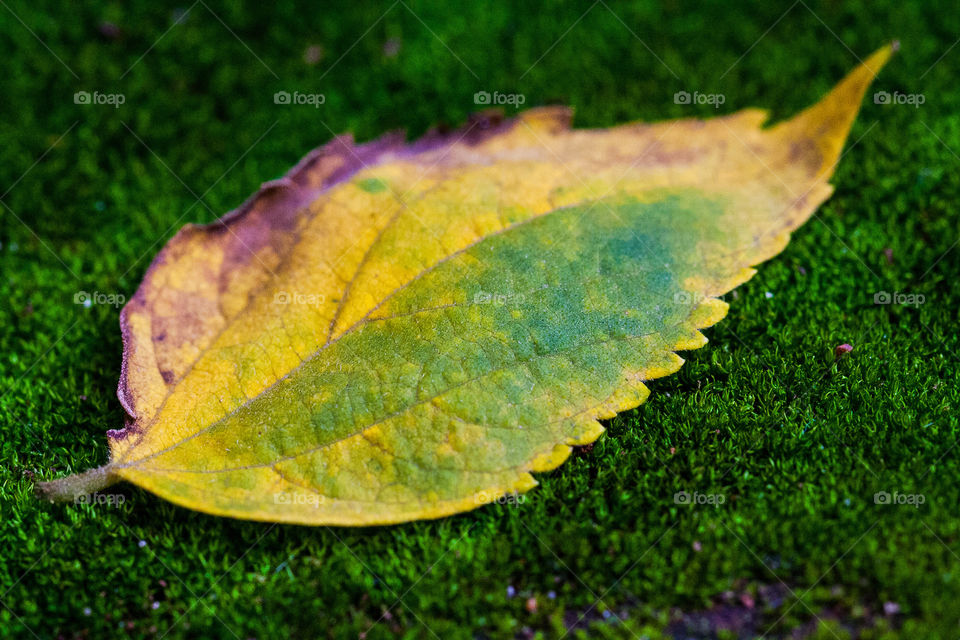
(795, 441)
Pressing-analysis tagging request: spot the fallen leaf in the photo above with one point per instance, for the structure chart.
(397, 331)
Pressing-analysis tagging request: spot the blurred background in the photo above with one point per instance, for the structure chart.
(120, 122)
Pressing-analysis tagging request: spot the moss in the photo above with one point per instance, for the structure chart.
(797, 442)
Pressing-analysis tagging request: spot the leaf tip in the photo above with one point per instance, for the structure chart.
(828, 122)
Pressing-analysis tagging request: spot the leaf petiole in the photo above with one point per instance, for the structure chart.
(68, 489)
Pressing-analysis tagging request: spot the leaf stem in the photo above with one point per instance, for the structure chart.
(67, 489)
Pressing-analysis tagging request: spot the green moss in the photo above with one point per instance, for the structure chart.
(797, 442)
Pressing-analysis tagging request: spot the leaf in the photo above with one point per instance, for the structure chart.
(398, 331)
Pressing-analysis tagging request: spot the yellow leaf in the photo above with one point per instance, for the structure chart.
(398, 331)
